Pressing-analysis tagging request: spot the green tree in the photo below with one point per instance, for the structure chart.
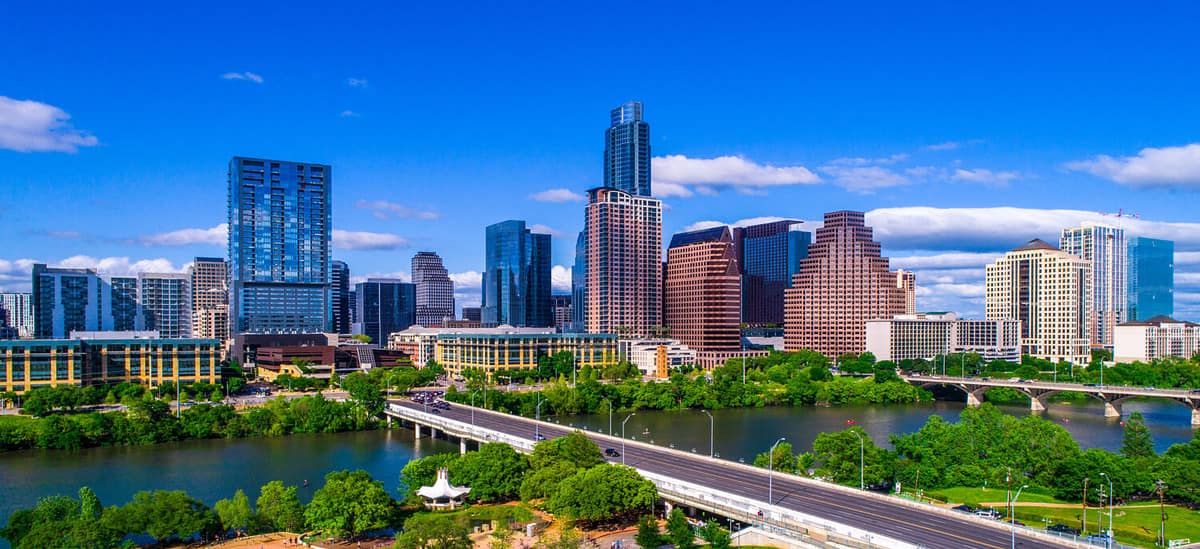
(235, 514)
(780, 458)
(575, 448)
(168, 515)
(279, 507)
(679, 531)
(1136, 442)
(648, 534)
(364, 338)
(494, 472)
(717, 537)
(603, 492)
(364, 393)
(89, 504)
(431, 530)
(838, 457)
(350, 503)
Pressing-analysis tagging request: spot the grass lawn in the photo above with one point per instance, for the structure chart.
(16, 420)
(974, 496)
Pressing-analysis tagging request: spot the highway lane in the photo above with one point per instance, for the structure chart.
(886, 518)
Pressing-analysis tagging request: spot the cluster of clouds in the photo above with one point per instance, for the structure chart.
(384, 209)
(218, 236)
(31, 126)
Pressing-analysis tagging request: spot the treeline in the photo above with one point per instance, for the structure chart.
(987, 446)
(43, 401)
(780, 379)
(349, 504)
(1166, 372)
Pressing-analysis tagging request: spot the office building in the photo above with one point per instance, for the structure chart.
(339, 297)
(1151, 278)
(516, 278)
(472, 314)
(435, 290)
(627, 150)
(624, 263)
(496, 351)
(564, 313)
(1107, 251)
(279, 237)
(843, 283)
(930, 335)
(420, 342)
(768, 255)
(352, 297)
(126, 304)
(1153, 338)
(18, 312)
(210, 297)
(579, 285)
(384, 306)
(166, 303)
(657, 357)
(702, 298)
(1046, 290)
(30, 364)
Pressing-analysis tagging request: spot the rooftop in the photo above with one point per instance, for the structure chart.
(1035, 244)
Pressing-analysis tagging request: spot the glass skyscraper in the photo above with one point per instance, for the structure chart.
(70, 300)
(383, 307)
(339, 297)
(1107, 250)
(516, 280)
(1151, 278)
(627, 150)
(768, 255)
(279, 237)
(579, 285)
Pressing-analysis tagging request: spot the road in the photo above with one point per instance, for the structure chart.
(894, 520)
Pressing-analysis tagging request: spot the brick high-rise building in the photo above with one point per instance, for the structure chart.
(1047, 290)
(702, 298)
(435, 290)
(624, 263)
(843, 283)
(210, 297)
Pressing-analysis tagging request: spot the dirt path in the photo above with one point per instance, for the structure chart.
(1061, 505)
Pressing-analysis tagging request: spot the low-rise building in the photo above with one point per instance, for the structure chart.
(905, 337)
(496, 352)
(30, 364)
(420, 343)
(656, 357)
(1156, 337)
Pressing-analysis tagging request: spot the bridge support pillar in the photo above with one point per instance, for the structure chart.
(462, 446)
(389, 422)
(973, 399)
(1112, 409)
(1195, 416)
(1036, 405)
(417, 431)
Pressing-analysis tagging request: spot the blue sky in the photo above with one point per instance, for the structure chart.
(962, 130)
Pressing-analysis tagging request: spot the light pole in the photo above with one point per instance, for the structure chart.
(712, 429)
(743, 366)
(861, 446)
(610, 410)
(473, 406)
(1012, 523)
(537, 425)
(1109, 541)
(771, 471)
(623, 437)
(1162, 511)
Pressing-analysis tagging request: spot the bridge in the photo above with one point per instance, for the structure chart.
(811, 512)
(1039, 391)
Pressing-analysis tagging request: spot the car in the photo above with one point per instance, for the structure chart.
(612, 452)
(540, 436)
(1062, 529)
(1150, 388)
(963, 508)
(987, 513)
(1089, 384)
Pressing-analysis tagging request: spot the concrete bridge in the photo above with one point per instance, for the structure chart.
(1039, 391)
(813, 514)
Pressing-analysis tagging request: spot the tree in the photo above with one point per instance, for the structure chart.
(235, 514)
(603, 492)
(838, 456)
(350, 503)
(494, 472)
(679, 531)
(780, 458)
(429, 530)
(365, 393)
(648, 534)
(1136, 442)
(575, 448)
(89, 504)
(364, 338)
(279, 508)
(717, 537)
(168, 515)
(423, 472)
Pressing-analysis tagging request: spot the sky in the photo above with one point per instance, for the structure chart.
(962, 130)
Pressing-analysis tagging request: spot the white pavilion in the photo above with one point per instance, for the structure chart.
(442, 495)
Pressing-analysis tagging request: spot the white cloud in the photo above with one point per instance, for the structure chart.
(946, 146)
(864, 179)
(678, 175)
(30, 126)
(216, 236)
(1177, 167)
(1187, 258)
(708, 224)
(384, 209)
(701, 225)
(860, 161)
(545, 229)
(247, 76)
(356, 82)
(1187, 279)
(558, 195)
(65, 234)
(951, 260)
(397, 275)
(983, 176)
(560, 279)
(467, 281)
(350, 114)
(957, 290)
(361, 240)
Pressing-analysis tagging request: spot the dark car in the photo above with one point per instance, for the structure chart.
(612, 452)
(963, 508)
(1062, 529)
(540, 436)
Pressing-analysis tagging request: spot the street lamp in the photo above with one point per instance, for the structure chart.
(623, 437)
(537, 425)
(1012, 523)
(712, 426)
(771, 471)
(610, 410)
(473, 406)
(861, 446)
(1109, 541)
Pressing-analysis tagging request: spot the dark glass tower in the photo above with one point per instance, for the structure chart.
(627, 150)
(279, 236)
(339, 296)
(579, 285)
(768, 255)
(1151, 278)
(516, 281)
(384, 306)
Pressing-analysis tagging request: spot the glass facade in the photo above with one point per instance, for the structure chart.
(384, 307)
(1151, 278)
(30, 364)
(339, 295)
(769, 254)
(627, 150)
(166, 304)
(579, 284)
(1107, 250)
(279, 246)
(516, 280)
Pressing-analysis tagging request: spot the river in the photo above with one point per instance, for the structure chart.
(213, 469)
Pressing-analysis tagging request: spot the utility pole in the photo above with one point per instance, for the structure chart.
(1084, 524)
(771, 471)
(1162, 511)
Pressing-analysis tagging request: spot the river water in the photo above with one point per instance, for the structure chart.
(213, 469)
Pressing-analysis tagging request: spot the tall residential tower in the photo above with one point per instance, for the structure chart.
(435, 290)
(210, 298)
(627, 150)
(623, 263)
(1105, 248)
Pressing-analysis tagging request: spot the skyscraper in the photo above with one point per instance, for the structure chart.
(627, 150)
(579, 285)
(210, 297)
(339, 297)
(703, 291)
(384, 306)
(843, 283)
(1107, 251)
(279, 236)
(564, 313)
(1151, 278)
(768, 255)
(125, 304)
(624, 263)
(1047, 290)
(435, 290)
(18, 310)
(70, 300)
(166, 301)
(516, 278)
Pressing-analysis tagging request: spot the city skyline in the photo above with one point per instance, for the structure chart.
(950, 176)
